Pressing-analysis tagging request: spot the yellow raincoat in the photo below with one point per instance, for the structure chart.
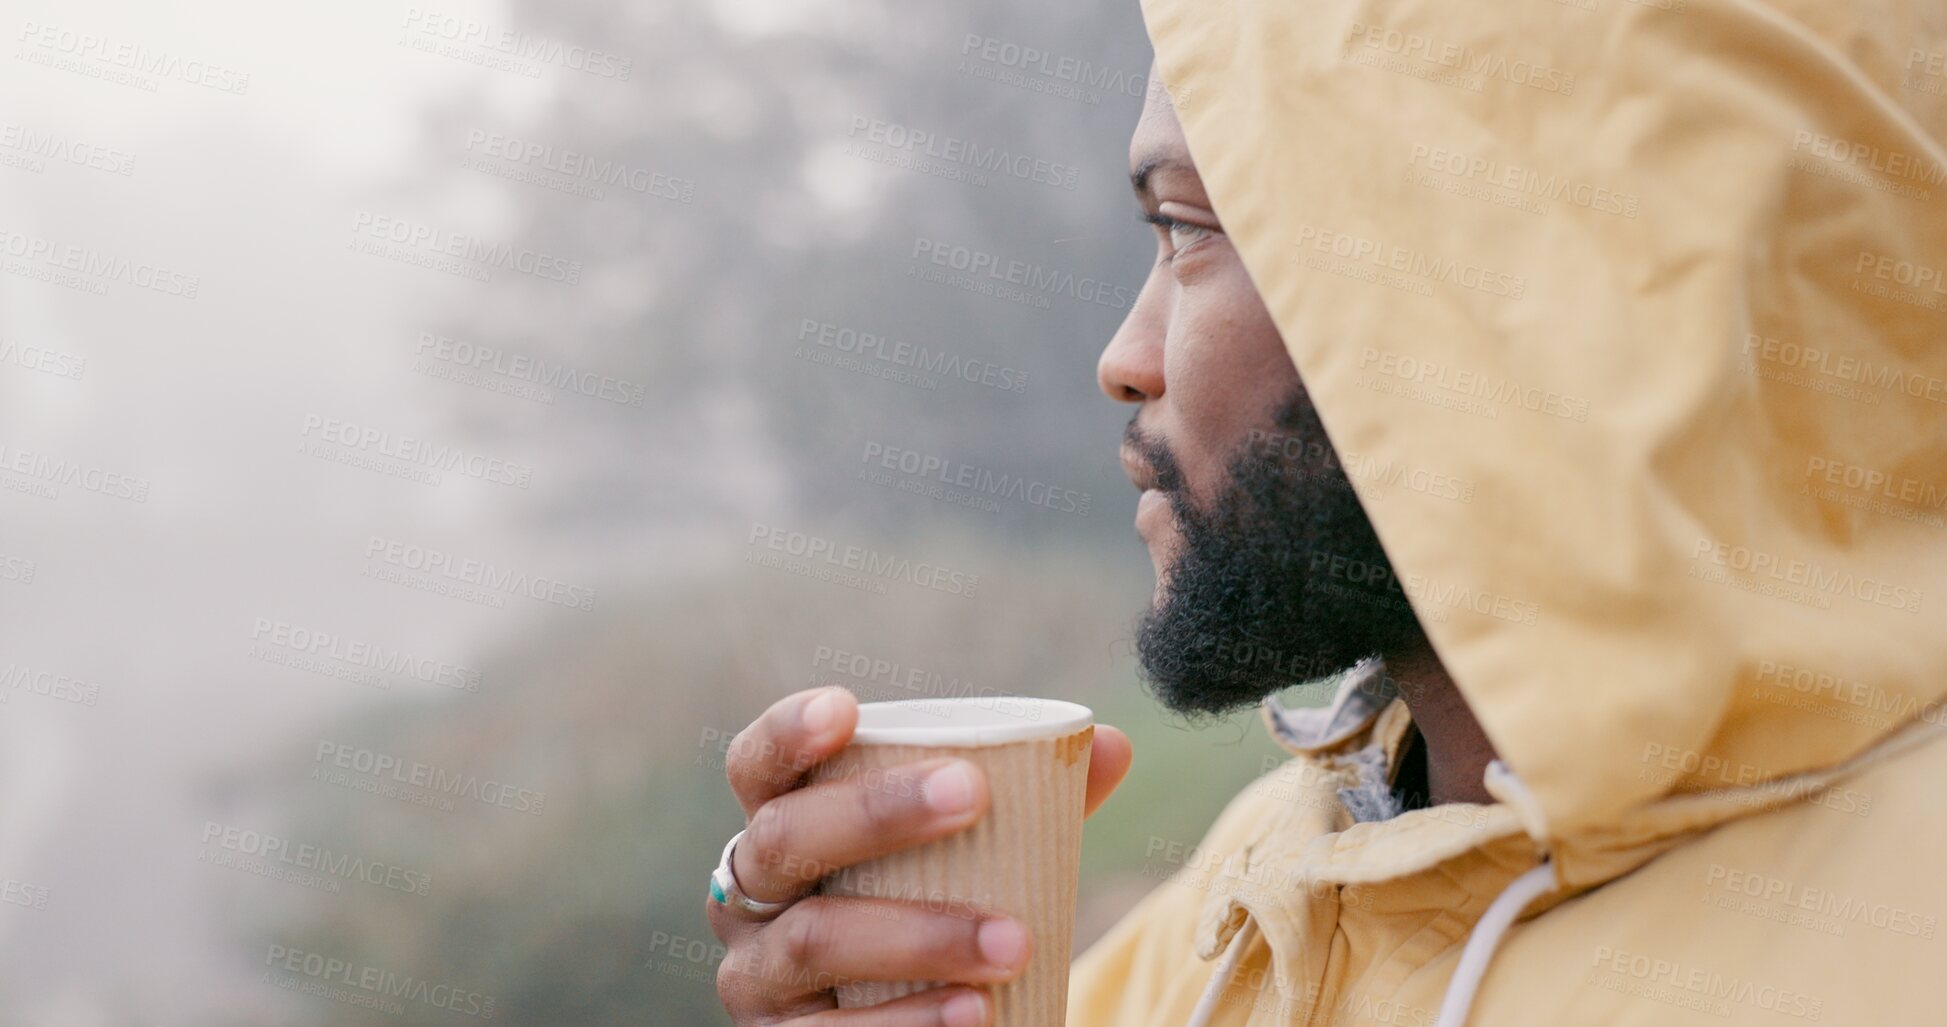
(1629, 321)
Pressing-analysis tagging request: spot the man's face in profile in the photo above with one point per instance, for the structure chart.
(1262, 550)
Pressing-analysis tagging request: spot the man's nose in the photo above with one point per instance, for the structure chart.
(1131, 367)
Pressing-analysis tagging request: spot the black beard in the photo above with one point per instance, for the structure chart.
(1280, 581)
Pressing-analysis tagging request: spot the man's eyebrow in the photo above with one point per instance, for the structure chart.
(1139, 178)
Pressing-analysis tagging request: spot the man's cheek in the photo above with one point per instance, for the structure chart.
(1228, 367)
(1212, 429)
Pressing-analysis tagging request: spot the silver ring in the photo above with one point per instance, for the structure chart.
(725, 890)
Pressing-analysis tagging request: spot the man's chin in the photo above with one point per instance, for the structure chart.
(1236, 615)
(1191, 672)
(1198, 703)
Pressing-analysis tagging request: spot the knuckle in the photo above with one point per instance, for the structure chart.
(889, 801)
(759, 766)
(734, 983)
(737, 759)
(806, 933)
(943, 940)
(768, 835)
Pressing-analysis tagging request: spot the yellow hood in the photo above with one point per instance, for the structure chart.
(1629, 321)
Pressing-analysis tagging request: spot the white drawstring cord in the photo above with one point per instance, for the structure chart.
(1486, 937)
(1226, 969)
(1493, 925)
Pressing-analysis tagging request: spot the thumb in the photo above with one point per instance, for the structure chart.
(1108, 763)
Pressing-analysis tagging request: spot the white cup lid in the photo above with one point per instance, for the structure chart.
(968, 722)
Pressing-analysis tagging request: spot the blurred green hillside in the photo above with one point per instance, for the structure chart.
(591, 911)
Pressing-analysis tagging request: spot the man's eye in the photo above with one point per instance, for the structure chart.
(1182, 234)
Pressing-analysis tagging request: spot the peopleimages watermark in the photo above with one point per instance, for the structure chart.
(1800, 905)
(1876, 490)
(949, 156)
(320, 649)
(1890, 170)
(773, 763)
(454, 253)
(1790, 578)
(403, 456)
(1018, 281)
(19, 677)
(1303, 454)
(1928, 277)
(17, 569)
(1926, 71)
(1795, 363)
(86, 269)
(1442, 384)
(467, 39)
(565, 170)
(21, 893)
(853, 566)
(1209, 869)
(121, 61)
(1039, 71)
(1903, 281)
(429, 785)
(676, 955)
(1436, 598)
(966, 484)
(40, 475)
(1806, 689)
(31, 149)
(1757, 786)
(268, 855)
(1449, 63)
(1691, 986)
(42, 359)
(438, 565)
(879, 356)
(1269, 659)
(904, 681)
(1522, 187)
(362, 984)
(1398, 266)
(1300, 782)
(517, 374)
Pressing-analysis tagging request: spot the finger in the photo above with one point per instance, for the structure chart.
(725, 923)
(836, 941)
(937, 1007)
(796, 839)
(771, 755)
(1108, 762)
(756, 989)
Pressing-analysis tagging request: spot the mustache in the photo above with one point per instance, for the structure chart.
(1156, 456)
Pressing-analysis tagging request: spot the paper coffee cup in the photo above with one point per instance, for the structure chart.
(1021, 859)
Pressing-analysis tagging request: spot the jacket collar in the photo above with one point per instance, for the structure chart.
(1309, 846)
